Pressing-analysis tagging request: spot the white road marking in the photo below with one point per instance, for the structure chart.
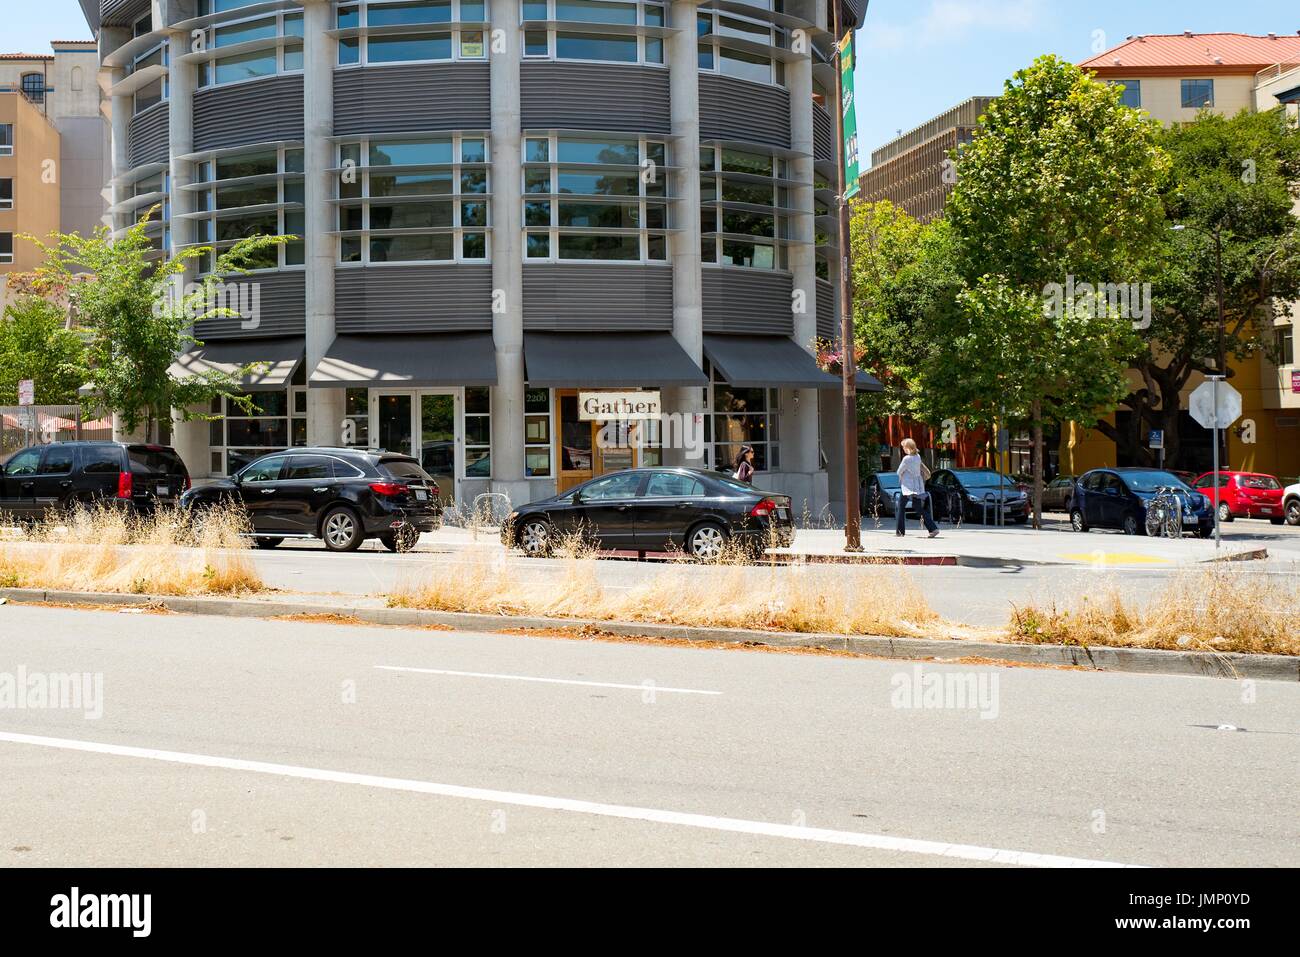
(882, 842)
(550, 681)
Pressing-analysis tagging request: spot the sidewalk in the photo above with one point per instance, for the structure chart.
(976, 545)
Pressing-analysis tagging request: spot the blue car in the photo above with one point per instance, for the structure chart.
(1117, 498)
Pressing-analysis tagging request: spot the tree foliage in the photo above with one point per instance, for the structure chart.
(34, 344)
(1237, 176)
(136, 315)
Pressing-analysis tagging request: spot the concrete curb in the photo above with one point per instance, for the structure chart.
(1132, 660)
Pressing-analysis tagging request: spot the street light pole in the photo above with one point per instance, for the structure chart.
(848, 365)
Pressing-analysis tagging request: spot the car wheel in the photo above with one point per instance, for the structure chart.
(1077, 521)
(268, 542)
(403, 539)
(535, 538)
(707, 541)
(1131, 525)
(341, 530)
(1225, 513)
(1293, 512)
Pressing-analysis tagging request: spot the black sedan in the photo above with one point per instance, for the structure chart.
(342, 496)
(1117, 498)
(655, 510)
(979, 494)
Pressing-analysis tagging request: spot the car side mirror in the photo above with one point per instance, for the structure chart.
(235, 479)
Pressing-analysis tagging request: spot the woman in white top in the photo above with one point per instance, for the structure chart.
(912, 474)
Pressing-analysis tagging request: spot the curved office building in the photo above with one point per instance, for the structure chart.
(505, 213)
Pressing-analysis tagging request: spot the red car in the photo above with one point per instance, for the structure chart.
(1244, 495)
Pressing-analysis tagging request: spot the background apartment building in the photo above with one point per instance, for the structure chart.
(498, 205)
(54, 148)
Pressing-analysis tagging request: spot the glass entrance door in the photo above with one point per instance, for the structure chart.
(424, 424)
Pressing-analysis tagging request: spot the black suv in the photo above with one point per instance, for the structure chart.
(42, 479)
(342, 496)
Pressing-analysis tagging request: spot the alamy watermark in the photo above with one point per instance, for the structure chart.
(667, 430)
(241, 300)
(1085, 300)
(946, 691)
(24, 690)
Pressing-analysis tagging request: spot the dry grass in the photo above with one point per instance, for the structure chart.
(109, 550)
(729, 593)
(1220, 610)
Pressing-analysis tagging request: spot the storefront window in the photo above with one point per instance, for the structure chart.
(478, 432)
(277, 421)
(356, 419)
(537, 433)
(740, 417)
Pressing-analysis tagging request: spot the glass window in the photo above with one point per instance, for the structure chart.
(589, 46)
(393, 14)
(1286, 346)
(58, 460)
(412, 46)
(613, 152)
(578, 246)
(264, 470)
(411, 248)
(6, 193)
(244, 32)
(100, 459)
(309, 467)
(672, 485)
(741, 417)
(410, 152)
(478, 432)
(6, 247)
(595, 11)
(622, 485)
(6, 139)
(1198, 94)
(1131, 94)
(24, 463)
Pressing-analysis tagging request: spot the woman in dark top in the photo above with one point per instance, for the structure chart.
(745, 465)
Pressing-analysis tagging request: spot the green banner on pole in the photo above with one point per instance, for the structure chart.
(849, 112)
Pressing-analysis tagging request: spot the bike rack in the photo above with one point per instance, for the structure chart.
(989, 497)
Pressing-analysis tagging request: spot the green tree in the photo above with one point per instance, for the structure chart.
(1235, 176)
(1060, 184)
(136, 316)
(34, 344)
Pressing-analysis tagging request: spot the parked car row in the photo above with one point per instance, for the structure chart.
(973, 494)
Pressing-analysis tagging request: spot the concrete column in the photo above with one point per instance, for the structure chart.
(190, 439)
(122, 108)
(325, 407)
(506, 186)
(684, 245)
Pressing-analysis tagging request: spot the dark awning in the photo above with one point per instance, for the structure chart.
(749, 362)
(608, 360)
(279, 357)
(427, 359)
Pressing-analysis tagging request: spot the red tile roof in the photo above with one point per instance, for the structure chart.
(1202, 53)
(25, 56)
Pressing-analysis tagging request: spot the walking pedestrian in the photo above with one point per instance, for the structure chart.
(745, 465)
(912, 475)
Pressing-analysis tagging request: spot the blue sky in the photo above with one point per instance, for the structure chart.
(916, 58)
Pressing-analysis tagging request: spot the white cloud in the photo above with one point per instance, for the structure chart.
(948, 20)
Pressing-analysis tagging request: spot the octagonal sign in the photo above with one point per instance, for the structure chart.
(1210, 414)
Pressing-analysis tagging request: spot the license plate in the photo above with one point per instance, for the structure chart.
(421, 495)
(783, 514)
(1267, 509)
(164, 491)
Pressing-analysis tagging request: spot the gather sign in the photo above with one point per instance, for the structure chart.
(602, 406)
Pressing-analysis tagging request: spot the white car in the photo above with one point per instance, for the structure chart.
(1291, 504)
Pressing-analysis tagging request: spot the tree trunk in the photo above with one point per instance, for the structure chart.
(1037, 412)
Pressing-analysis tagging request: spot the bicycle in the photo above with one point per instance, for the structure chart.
(1165, 513)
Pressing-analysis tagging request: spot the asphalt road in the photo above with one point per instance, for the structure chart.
(288, 743)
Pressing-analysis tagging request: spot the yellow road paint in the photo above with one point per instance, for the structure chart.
(1117, 558)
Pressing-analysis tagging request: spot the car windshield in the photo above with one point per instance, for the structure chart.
(1260, 481)
(983, 479)
(1153, 481)
(887, 479)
